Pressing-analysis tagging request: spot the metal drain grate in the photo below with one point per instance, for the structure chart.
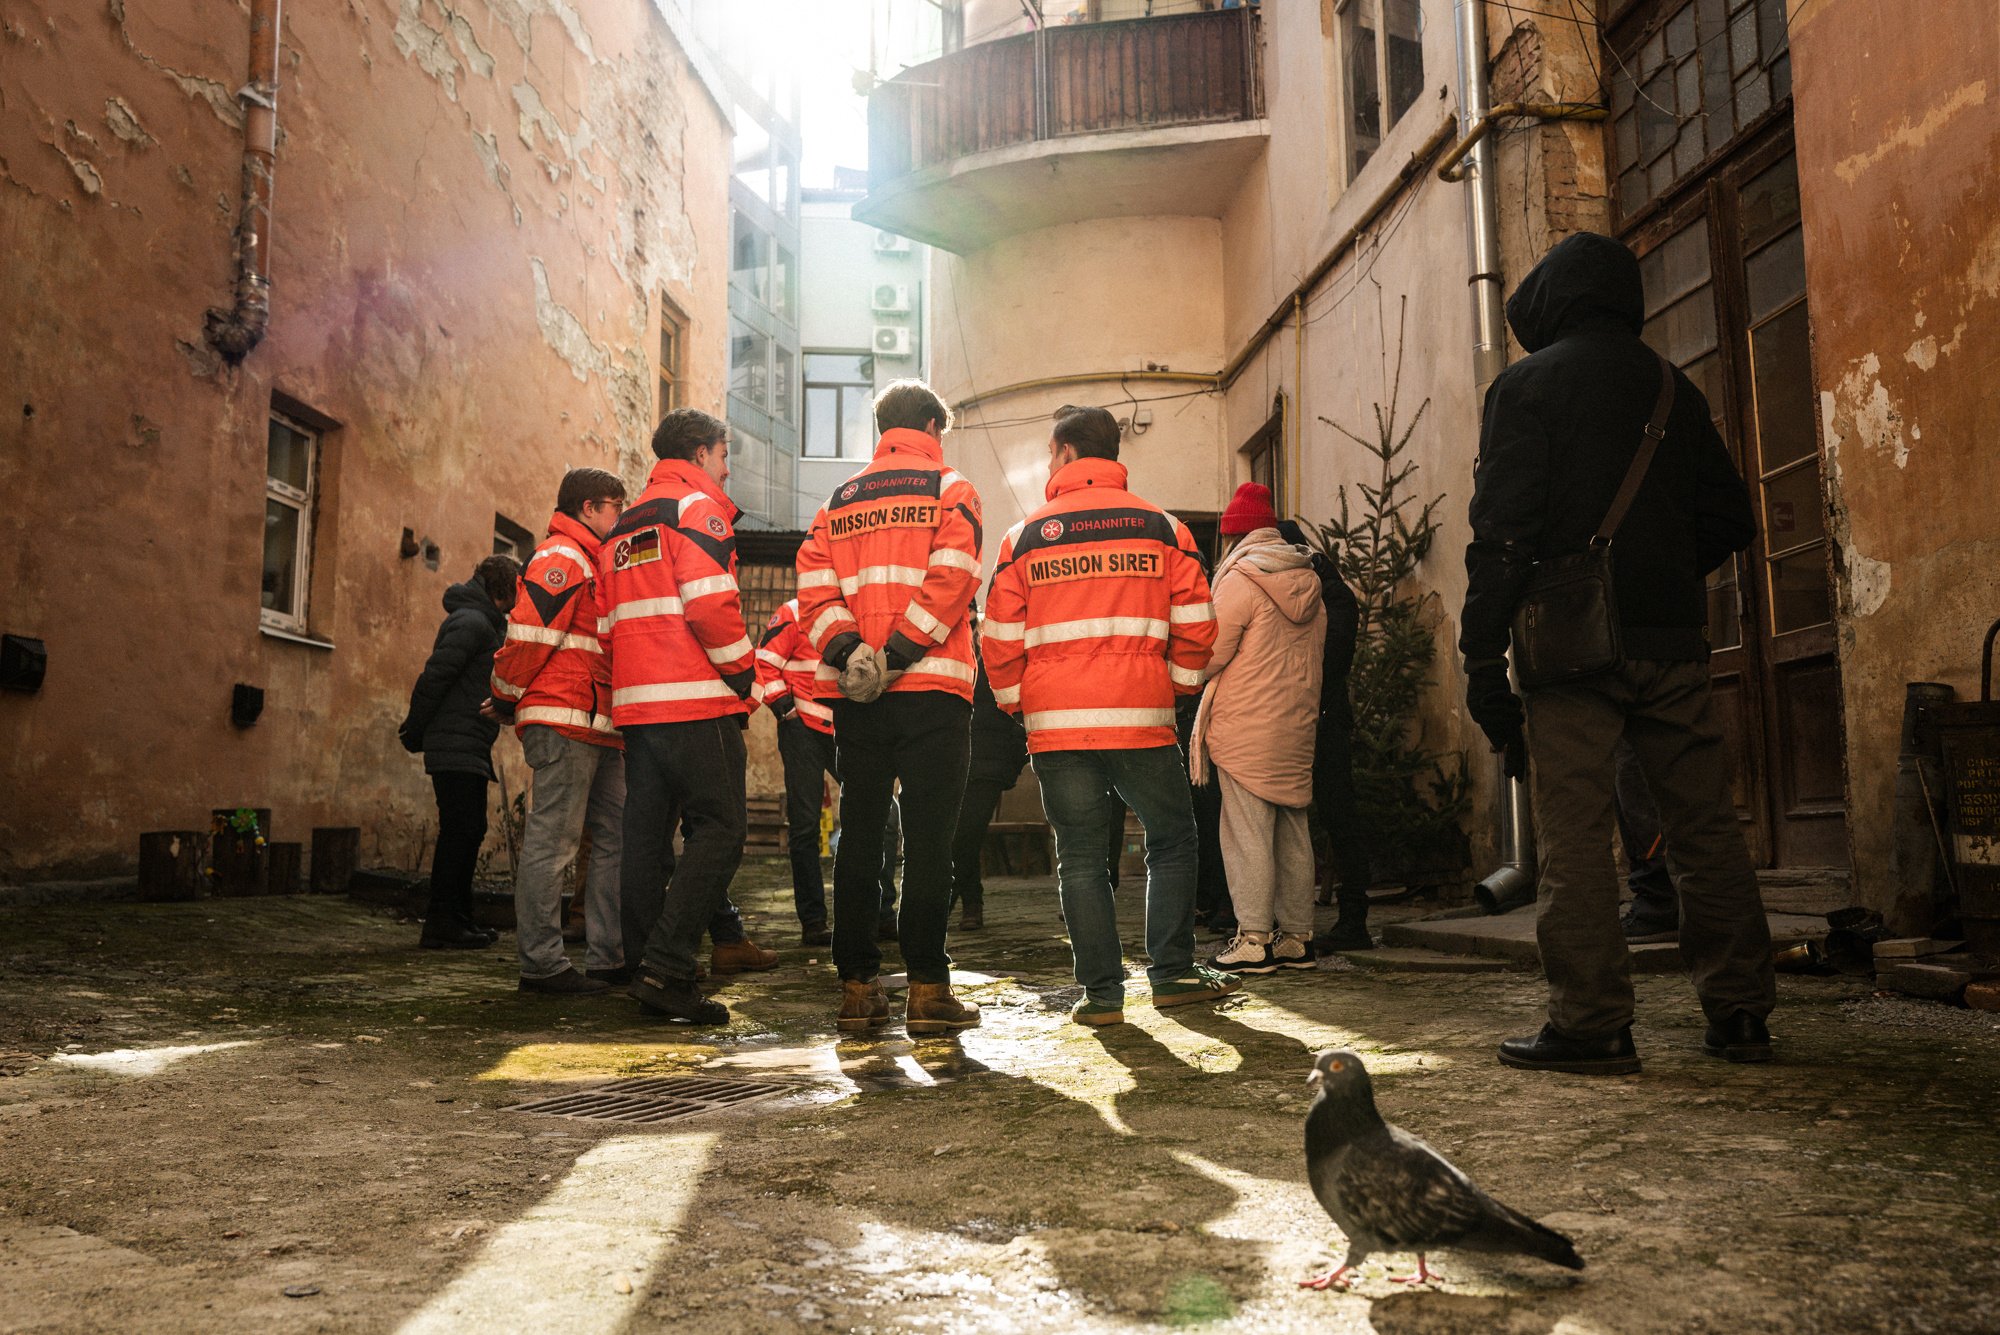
(654, 1099)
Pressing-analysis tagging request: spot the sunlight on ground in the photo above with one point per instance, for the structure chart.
(581, 1261)
(595, 1061)
(141, 1061)
(1269, 1016)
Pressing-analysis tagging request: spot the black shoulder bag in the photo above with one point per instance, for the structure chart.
(1566, 628)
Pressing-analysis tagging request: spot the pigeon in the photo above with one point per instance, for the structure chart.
(1388, 1191)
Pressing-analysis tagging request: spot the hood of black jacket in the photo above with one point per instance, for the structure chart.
(1585, 279)
(471, 596)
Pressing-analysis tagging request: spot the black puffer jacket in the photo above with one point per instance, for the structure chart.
(1559, 431)
(444, 720)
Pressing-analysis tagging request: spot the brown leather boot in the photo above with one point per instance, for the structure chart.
(744, 956)
(862, 1005)
(934, 1010)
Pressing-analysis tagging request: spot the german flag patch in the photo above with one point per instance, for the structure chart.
(637, 549)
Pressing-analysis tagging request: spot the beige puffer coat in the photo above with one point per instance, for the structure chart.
(1261, 705)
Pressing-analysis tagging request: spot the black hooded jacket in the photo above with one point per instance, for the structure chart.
(1561, 427)
(444, 720)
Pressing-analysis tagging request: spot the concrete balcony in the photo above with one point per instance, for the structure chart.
(1144, 117)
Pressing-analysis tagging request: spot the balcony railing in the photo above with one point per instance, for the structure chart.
(1140, 74)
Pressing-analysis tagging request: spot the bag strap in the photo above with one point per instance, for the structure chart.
(1656, 429)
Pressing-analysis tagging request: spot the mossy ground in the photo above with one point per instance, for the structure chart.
(1027, 1175)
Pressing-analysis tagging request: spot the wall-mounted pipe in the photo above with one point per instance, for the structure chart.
(1448, 168)
(1482, 205)
(235, 331)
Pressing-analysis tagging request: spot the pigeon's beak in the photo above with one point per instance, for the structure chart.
(1313, 1076)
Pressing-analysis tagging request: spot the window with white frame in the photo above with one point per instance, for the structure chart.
(840, 391)
(290, 475)
(1381, 70)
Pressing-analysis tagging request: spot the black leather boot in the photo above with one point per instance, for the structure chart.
(1740, 1038)
(1550, 1050)
(676, 999)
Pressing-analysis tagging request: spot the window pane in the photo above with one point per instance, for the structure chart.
(1799, 596)
(1707, 377)
(781, 184)
(1776, 274)
(1781, 372)
(750, 365)
(839, 368)
(290, 456)
(281, 557)
(1686, 329)
(1364, 99)
(753, 155)
(857, 423)
(784, 284)
(1753, 98)
(1743, 42)
(822, 432)
(1792, 509)
(1770, 202)
(1675, 267)
(783, 372)
(750, 267)
(1680, 34)
(1406, 55)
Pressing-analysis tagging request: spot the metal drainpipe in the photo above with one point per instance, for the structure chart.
(1512, 883)
(235, 331)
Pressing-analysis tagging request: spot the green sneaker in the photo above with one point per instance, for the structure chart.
(1204, 984)
(1097, 1014)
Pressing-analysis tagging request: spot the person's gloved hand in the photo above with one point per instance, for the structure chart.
(839, 649)
(412, 740)
(1490, 699)
(866, 675)
(782, 706)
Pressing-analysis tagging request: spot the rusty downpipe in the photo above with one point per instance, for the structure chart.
(235, 331)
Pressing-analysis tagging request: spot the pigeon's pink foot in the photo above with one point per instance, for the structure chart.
(1335, 1279)
(1424, 1274)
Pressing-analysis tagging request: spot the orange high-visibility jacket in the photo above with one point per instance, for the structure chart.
(893, 557)
(673, 622)
(1098, 617)
(787, 665)
(552, 669)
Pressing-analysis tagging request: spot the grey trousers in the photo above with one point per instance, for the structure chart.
(577, 786)
(1267, 850)
(1664, 711)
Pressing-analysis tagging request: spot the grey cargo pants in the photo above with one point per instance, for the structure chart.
(1664, 711)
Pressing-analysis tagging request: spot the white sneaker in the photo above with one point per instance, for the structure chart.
(1247, 952)
(1290, 950)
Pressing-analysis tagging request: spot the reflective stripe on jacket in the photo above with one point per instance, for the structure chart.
(893, 557)
(1098, 617)
(673, 622)
(787, 665)
(552, 670)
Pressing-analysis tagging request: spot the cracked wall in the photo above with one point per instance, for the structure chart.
(471, 294)
(1899, 165)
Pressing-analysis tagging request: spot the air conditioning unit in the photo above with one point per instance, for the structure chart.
(888, 243)
(891, 341)
(892, 299)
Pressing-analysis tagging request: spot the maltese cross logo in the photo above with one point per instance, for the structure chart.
(1052, 530)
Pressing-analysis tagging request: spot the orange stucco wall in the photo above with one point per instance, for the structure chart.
(1899, 171)
(477, 211)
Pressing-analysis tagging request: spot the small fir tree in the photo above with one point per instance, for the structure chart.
(1410, 797)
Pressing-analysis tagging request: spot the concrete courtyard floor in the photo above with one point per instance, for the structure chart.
(207, 1106)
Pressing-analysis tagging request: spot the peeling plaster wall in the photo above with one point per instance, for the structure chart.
(1899, 171)
(477, 207)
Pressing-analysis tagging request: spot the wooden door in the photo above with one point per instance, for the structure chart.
(1789, 570)
(1724, 273)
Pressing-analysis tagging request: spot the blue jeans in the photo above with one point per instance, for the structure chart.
(1077, 791)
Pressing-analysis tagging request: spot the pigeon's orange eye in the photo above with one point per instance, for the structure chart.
(1337, 1066)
